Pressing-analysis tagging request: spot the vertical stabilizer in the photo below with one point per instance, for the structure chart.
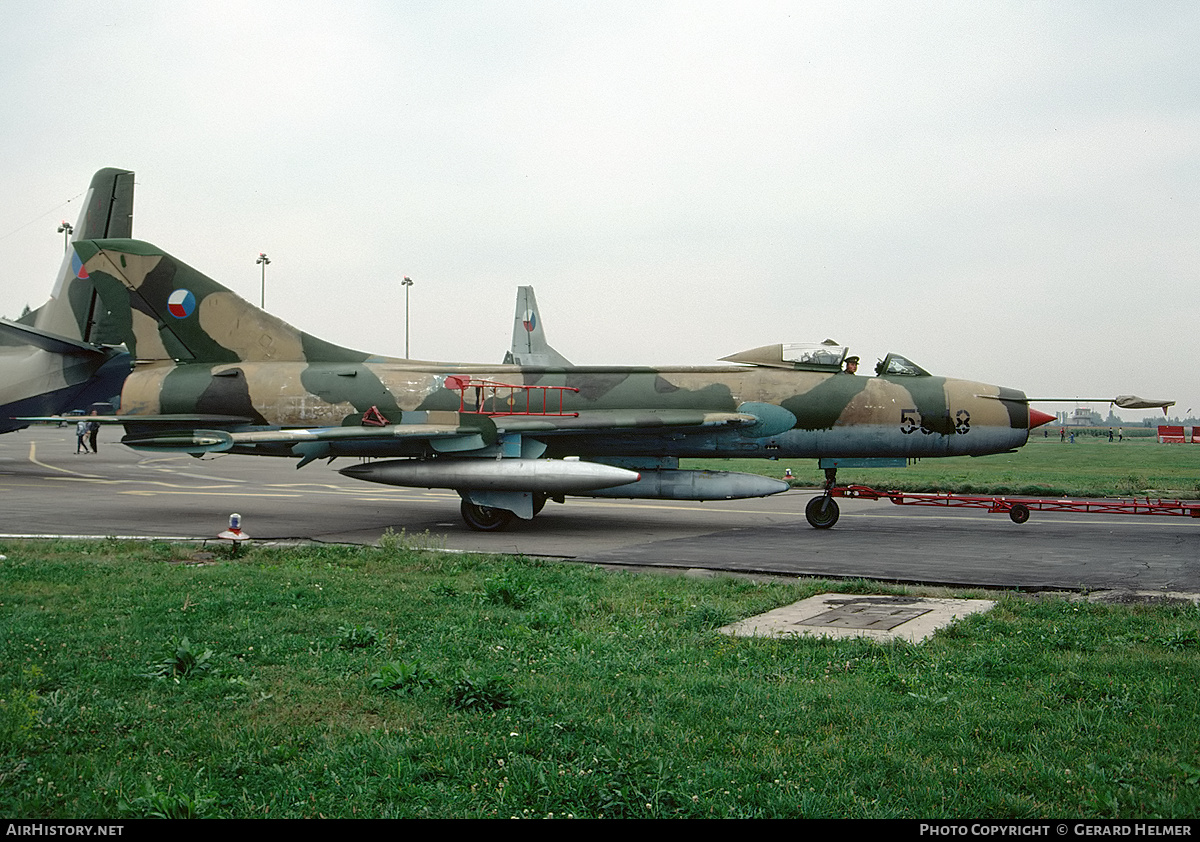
(51, 360)
(163, 309)
(529, 345)
(107, 212)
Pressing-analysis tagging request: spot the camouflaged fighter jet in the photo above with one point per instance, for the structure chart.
(52, 360)
(214, 374)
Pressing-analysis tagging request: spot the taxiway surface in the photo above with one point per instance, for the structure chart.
(46, 489)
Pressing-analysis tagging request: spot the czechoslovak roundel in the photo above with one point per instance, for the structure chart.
(181, 303)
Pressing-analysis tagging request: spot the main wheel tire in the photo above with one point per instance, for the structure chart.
(1019, 513)
(822, 512)
(485, 518)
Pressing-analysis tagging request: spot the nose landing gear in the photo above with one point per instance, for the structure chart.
(822, 512)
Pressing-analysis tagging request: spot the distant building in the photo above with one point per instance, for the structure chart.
(1082, 417)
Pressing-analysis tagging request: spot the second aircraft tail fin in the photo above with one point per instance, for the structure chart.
(107, 212)
(529, 345)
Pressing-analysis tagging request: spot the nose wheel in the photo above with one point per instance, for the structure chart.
(822, 512)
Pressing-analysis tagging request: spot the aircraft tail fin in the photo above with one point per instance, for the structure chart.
(107, 212)
(529, 345)
(164, 309)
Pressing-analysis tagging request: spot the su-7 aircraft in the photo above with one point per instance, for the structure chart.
(214, 374)
(52, 360)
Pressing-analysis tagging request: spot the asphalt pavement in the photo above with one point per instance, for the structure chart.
(48, 490)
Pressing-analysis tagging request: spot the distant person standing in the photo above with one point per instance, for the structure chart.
(1062, 434)
(81, 431)
(93, 429)
(1120, 434)
(1110, 434)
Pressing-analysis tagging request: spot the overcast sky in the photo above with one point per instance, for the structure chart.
(1007, 192)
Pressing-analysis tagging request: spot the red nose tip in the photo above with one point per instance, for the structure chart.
(1037, 418)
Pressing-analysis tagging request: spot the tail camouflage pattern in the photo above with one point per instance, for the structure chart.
(165, 310)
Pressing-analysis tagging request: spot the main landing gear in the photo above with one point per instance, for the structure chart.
(490, 519)
(485, 518)
(822, 512)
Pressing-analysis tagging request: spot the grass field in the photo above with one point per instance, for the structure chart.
(1091, 467)
(145, 680)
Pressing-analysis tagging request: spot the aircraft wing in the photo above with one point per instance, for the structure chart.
(179, 420)
(439, 432)
(486, 429)
(210, 441)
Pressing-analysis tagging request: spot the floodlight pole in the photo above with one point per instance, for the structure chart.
(66, 229)
(407, 284)
(264, 260)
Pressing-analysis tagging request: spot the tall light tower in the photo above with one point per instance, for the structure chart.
(66, 229)
(264, 260)
(407, 284)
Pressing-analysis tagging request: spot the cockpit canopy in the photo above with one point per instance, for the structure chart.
(825, 356)
(796, 355)
(894, 365)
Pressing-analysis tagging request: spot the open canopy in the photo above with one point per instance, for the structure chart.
(825, 356)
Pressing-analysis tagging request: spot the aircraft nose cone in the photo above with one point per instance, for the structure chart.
(1037, 418)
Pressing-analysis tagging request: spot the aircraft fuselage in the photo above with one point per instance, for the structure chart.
(827, 414)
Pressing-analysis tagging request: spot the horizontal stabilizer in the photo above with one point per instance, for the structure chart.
(55, 344)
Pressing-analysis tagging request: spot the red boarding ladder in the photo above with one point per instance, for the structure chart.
(475, 395)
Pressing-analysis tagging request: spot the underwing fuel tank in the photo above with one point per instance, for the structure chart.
(547, 476)
(671, 484)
